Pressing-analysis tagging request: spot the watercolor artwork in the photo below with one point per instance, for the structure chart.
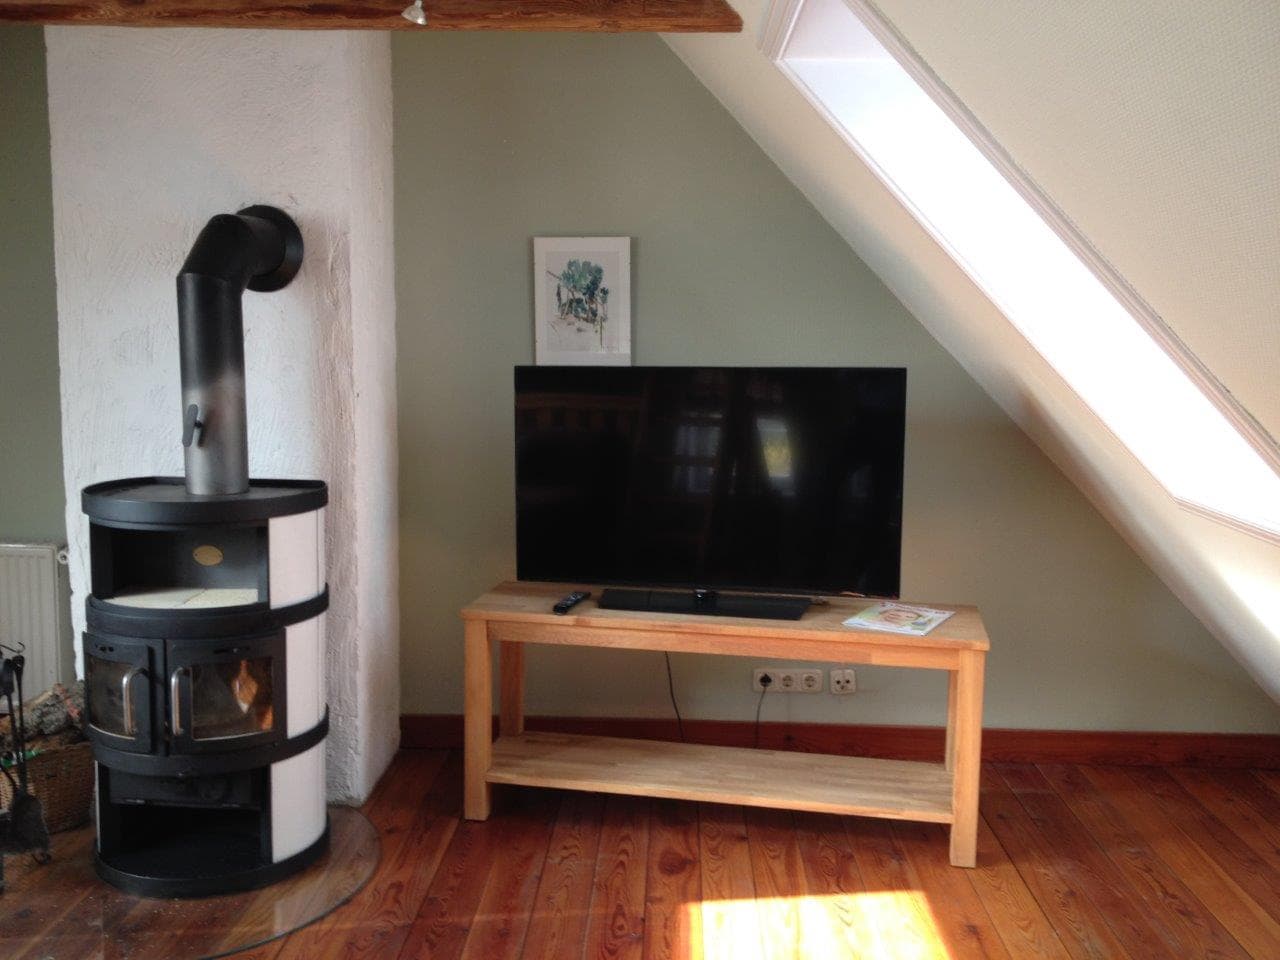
(582, 306)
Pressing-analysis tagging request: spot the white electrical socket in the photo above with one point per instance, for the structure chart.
(788, 679)
(843, 680)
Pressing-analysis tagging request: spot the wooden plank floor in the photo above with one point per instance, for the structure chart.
(1073, 861)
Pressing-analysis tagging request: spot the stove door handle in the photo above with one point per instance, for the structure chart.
(175, 700)
(126, 700)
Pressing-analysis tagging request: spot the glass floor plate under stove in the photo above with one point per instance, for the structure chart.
(63, 911)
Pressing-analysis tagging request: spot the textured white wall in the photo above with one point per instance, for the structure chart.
(155, 131)
(373, 310)
(1225, 577)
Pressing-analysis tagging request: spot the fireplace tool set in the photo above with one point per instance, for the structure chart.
(22, 826)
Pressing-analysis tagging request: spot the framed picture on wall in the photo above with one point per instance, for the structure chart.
(582, 300)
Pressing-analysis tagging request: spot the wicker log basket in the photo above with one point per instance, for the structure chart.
(60, 768)
(62, 779)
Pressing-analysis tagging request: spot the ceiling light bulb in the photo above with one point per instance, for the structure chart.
(415, 14)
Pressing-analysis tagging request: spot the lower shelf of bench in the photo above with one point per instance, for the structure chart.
(861, 786)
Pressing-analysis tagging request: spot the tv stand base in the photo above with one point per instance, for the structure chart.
(518, 614)
(711, 603)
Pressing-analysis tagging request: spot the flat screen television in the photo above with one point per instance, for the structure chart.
(776, 479)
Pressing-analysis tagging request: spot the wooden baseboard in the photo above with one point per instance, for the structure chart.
(900, 743)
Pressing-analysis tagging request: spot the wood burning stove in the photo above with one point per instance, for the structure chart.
(205, 629)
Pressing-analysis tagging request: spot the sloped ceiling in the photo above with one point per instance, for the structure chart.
(1227, 578)
(1152, 125)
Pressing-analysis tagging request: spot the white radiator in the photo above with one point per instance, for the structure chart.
(35, 611)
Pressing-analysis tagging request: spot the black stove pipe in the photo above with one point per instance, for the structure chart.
(258, 248)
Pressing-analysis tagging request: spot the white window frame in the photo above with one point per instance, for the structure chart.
(780, 22)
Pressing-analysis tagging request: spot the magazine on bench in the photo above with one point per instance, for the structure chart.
(893, 617)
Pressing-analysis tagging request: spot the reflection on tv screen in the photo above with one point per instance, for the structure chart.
(764, 478)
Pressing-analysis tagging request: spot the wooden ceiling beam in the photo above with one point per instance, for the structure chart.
(609, 16)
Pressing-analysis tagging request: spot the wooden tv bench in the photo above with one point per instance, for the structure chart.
(515, 614)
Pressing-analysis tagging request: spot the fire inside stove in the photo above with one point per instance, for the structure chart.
(231, 699)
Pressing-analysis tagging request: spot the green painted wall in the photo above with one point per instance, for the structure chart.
(500, 138)
(31, 492)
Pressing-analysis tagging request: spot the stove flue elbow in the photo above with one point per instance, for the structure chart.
(258, 248)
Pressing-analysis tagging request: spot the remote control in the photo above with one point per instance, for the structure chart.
(571, 601)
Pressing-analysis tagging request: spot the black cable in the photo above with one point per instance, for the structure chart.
(759, 704)
(671, 689)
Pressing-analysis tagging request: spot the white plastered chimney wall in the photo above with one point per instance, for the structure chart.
(152, 133)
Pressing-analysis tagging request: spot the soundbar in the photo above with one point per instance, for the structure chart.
(707, 602)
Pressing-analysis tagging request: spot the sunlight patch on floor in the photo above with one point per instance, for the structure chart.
(885, 925)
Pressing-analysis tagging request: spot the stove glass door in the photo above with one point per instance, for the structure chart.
(226, 695)
(232, 698)
(118, 681)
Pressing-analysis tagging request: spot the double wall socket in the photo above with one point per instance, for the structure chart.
(788, 679)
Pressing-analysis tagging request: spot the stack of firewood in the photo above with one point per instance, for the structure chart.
(53, 718)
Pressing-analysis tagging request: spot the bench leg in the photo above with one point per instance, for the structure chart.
(511, 684)
(477, 721)
(952, 700)
(964, 754)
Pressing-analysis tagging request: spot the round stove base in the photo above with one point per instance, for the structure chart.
(162, 873)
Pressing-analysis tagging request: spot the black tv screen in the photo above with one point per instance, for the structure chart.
(765, 478)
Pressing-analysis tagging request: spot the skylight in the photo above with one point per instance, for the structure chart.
(1049, 294)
